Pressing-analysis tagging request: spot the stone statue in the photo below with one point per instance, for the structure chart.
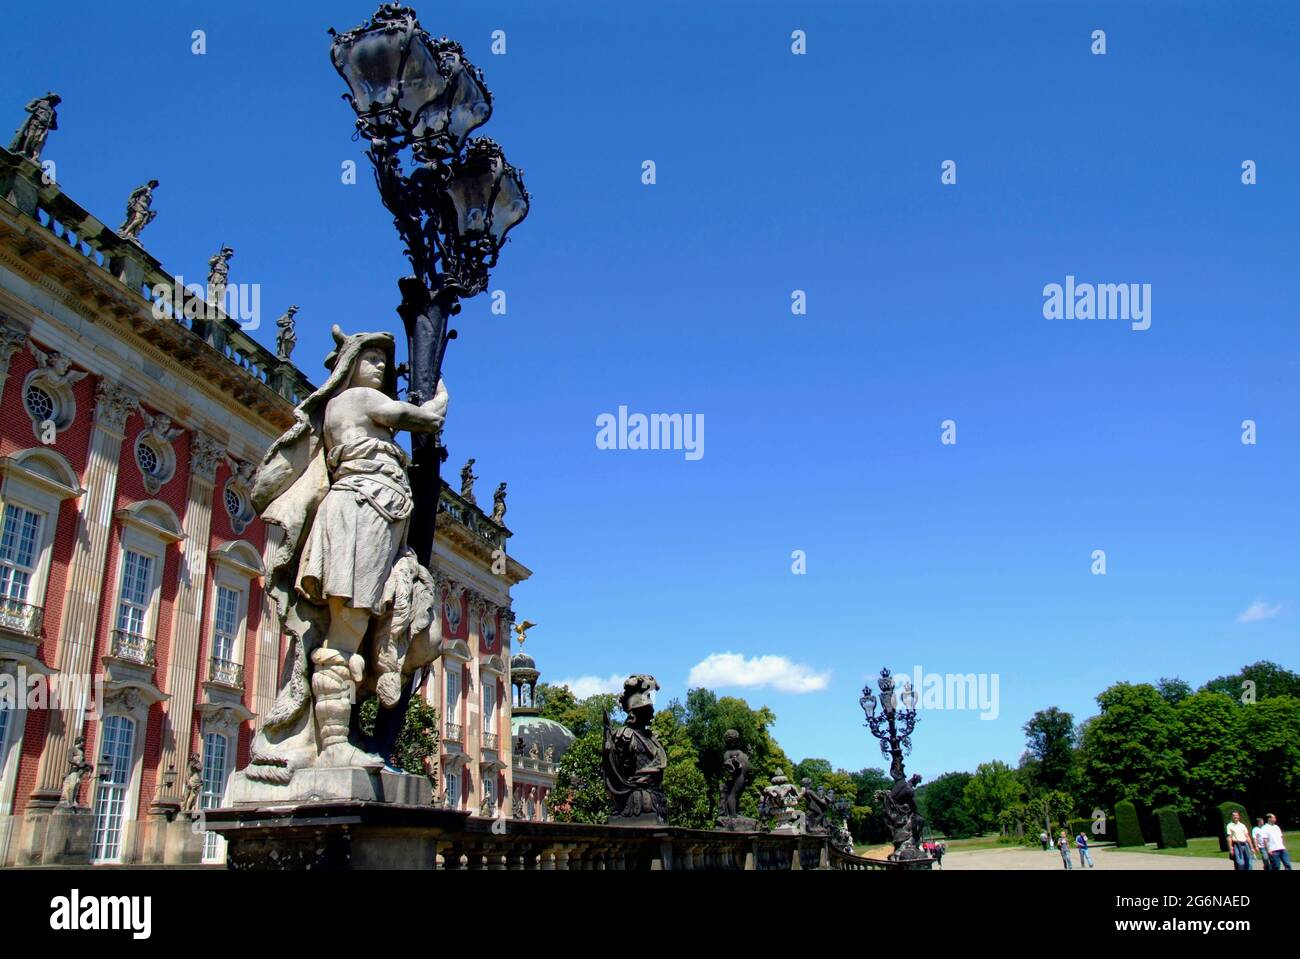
(634, 761)
(549, 755)
(42, 117)
(842, 839)
(286, 335)
(138, 212)
(781, 804)
(218, 273)
(898, 809)
(78, 769)
(817, 805)
(55, 368)
(532, 751)
(735, 774)
(499, 505)
(159, 426)
(358, 606)
(532, 801)
(518, 805)
(193, 785)
(467, 479)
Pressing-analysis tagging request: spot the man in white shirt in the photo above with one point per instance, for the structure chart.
(1261, 846)
(1240, 844)
(1275, 843)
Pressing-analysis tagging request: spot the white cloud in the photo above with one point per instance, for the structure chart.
(733, 669)
(1259, 610)
(584, 686)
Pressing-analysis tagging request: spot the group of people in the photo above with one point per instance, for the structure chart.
(935, 850)
(1265, 841)
(1063, 846)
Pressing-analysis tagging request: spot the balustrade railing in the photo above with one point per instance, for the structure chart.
(491, 741)
(226, 673)
(19, 617)
(452, 733)
(132, 647)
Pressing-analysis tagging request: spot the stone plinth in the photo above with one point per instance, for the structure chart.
(332, 785)
(737, 824)
(58, 836)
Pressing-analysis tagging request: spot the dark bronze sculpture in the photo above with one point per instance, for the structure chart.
(817, 805)
(735, 774)
(42, 117)
(893, 727)
(138, 212)
(634, 760)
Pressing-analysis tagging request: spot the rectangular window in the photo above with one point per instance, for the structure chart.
(226, 624)
(137, 591)
(489, 706)
(215, 749)
(19, 542)
(453, 791)
(453, 693)
(110, 797)
(489, 794)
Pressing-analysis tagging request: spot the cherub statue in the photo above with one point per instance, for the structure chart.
(241, 473)
(138, 212)
(193, 785)
(499, 505)
(357, 604)
(735, 772)
(467, 479)
(286, 336)
(42, 117)
(55, 368)
(78, 769)
(159, 426)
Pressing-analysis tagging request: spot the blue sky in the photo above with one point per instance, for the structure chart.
(821, 173)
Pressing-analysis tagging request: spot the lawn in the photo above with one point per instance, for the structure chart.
(1202, 847)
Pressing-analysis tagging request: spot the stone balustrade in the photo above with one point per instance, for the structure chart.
(371, 835)
(132, 647)
(19, 617)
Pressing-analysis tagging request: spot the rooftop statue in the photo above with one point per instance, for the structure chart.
(467, 479)
(735, 774)
(42, 117)
(219, 273)
(138, 212)
(286, 335)
(634, 760)
(351, 594)
(499, 505)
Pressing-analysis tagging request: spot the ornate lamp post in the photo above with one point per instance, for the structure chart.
(414, 94)
(893, 727)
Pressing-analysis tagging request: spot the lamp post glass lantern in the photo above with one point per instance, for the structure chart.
(893, 727)
(418, 98)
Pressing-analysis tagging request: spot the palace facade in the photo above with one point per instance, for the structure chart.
(138, 646)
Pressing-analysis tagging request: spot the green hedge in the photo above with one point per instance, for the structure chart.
(1171, 829)
(1226, 810)
(1082, 826)
(1128, 832)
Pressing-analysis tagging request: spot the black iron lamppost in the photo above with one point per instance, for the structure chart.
(893, 727)
(453, 211)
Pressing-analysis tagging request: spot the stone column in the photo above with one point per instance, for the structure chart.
(76, 642)
(267, 673)
(183, 665)
(12, 340)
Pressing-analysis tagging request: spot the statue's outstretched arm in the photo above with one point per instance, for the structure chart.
(425, 418)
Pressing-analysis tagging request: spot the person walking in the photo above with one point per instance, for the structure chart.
(1240, 844)
(1063, 844)
(1045, 840)
(1261, 845)
(1275, 843)
(1085, 856)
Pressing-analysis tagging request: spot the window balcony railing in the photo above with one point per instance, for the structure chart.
(535, 765)
(132, 647)
(225, 673)
(491, 740)
(20, 617)
(452, 733)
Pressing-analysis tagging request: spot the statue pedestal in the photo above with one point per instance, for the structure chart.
(65, 835)
(183, 841)
(332, 785)
(737, 824)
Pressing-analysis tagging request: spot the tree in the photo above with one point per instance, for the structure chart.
(690, 803)
(1131, 749)
(416, 748)
(1270, 736)
(1269, 680)
(866, 821)
(580, 716)
(1173, 690)
(1050, 739)
(943, 804)
(814, 769)
(579, 782)
(707, 719)
(993, 788)
(1213, 757)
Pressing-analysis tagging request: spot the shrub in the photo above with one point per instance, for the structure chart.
(1171, 829)
(1226, 810)
(1128, 832)
(1083, 826)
